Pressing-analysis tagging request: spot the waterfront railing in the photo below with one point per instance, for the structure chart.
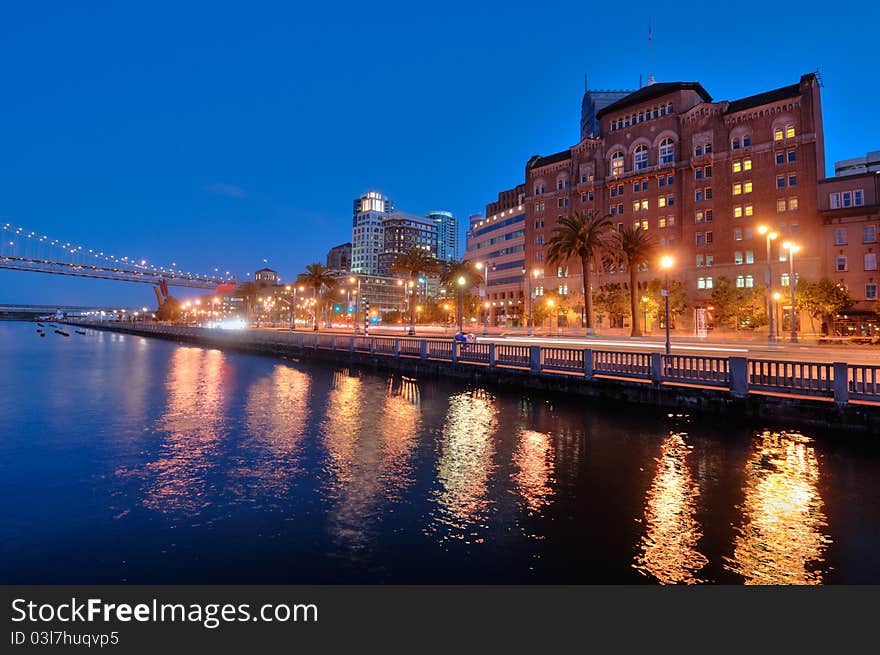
(837, 381)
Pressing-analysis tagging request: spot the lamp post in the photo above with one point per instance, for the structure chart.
(645, 309)
(768, 277)
(461, 282)
(666, 263)
(485, 269)
(357, 300)
(551, 304)
(792, 249)
(776, 298)
(412, 312)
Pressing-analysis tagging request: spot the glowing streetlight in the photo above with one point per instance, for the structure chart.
(666, 262)
(645, 309)
(768, 276)
(792, 248)
(461, 282)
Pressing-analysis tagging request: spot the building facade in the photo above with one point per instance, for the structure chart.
(497, 244)
(266, 276)
(849, 206)
(403, 232)
(367, 233)
(447, 235)
(339, 257)
(870, 163)
(702, 175)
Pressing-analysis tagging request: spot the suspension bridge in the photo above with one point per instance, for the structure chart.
(25, 250)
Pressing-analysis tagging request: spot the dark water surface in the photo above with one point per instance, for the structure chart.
(125, 459)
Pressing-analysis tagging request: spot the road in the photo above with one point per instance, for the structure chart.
(806, 352)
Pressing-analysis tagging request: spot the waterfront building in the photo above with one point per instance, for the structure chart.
(497, 244)
(870, 163)
(266, 277)
(339, 257)
(849, 206)
(702, 175)
(447, 235)
(403, 232)
(367, 233)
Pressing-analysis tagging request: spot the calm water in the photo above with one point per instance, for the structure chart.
(125, 459)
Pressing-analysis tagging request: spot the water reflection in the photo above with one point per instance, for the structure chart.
(369, 431)
(668, 549)
(533, 477)
(193, 419)
(276, 415)
(465, 463)
(781, 540)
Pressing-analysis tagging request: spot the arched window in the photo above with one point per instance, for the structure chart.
(617, 164)
(640, 157)
(667, 151)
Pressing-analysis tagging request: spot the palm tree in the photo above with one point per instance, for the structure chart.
(414, 263)
(317, 276)
(449, 278)
(583, 236)
(633, 247)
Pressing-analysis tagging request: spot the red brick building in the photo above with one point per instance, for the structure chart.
(703, 175)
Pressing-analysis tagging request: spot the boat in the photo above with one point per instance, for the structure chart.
(80, 331)
(62, 333)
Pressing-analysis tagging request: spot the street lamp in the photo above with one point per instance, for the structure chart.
(768, 277)
(535, 272)
(666, 263)
(485, 269)
(776, 298)
(357, 300)
(792, 248)
(551, 304)
(461, 282)
(412, 312)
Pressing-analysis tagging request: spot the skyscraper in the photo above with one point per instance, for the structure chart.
(367, 233)
(447, 235)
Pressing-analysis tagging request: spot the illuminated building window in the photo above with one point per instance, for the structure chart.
(750, 257)
(740, 281)
(747, 186)
(737, 258)
(784, 280)
(750, 210)
(780, 205)
(737, 189)
(778, 134)
(710, 259)
(737, 166)
(661, 201)
(617, 164)
(792, 204)
(738, 211)
(789, 131)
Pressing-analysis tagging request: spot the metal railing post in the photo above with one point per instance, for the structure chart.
(491, 355)
(423, 349)
(455, 352)
(396, 347)
(588, 364)
(351, 345)
(535, 359)
(656, 368)
(372, 345)
(841, 383)
(739, 377)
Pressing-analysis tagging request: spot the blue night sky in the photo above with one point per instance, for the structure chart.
(226, 134)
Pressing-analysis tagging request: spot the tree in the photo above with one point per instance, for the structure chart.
(169, 310)
(738, 307)
(414, 263)
(823, 299)
(678, 299)
(633, 247)
(317, 277)
(612, 300)
(584, 236)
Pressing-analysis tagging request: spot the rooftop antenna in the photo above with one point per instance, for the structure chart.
(650, 54)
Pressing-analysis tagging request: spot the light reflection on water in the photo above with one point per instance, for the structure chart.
(281, 472)
(192, 421)
(783, 535)
(464, 466)
(669, 549)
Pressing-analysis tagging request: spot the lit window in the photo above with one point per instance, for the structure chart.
(750, 257)
(708, 282)
(778, 134)
(710, 259)
(737, 258)
(635, 205)
(737, 189)
(747, 164)
(750, 210)
(661, 201)
(644, 204)
(784, 280)
(789, 131)
(750, 281)
(740, 281)
(701, 283)
(661, 222)
(698, 217)
(737, 166)
(747, 186)
(792, 204)
(780, 205)
(738, 211)
(617, 164)
(670, 220)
